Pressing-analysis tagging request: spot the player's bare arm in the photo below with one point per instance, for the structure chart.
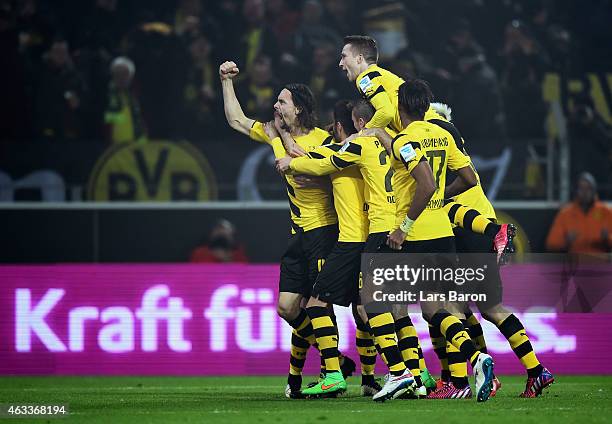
(425, 188)
(233, 111)
(465, 180)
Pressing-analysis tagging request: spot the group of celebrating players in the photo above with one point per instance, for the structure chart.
(387, 157)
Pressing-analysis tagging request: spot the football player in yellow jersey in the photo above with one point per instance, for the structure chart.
(379, 86)
(370, 156)
(421, 141)
(338, 280)
(313, 219)
(492, 310)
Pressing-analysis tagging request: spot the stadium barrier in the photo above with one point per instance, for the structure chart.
(44, 232)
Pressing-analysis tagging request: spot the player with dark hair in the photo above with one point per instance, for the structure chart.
(428, 230)
(538, 377)
(314, 228)
(338, 280)
(370, 157)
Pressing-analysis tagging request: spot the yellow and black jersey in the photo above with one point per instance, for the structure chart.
(474, 197)
(380, 88)
(349, 200)
(374, 165)
(310, 207)
(424, 141)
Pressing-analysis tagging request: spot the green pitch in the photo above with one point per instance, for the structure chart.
(261, 400)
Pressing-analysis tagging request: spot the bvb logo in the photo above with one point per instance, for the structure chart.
(152, 171)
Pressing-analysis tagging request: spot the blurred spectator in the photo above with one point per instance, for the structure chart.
(200, 91)
(327, 82)
(191, 20)
(220, 246)
(123, 115)
(14, 100)
(59, 95)
(257, 38)
(283, 21)
(524, 64)
(343, 16)
(161, 59)
(476, 92)
(585, 225)
(313, 31)
(591, 137)
(258, 91)
(36, 30)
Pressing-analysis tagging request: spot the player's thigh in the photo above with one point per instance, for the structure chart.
(318, 243)
(294, 269)
(338, 280)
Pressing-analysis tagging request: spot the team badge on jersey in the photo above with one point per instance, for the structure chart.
(365, 84)
(407, 152)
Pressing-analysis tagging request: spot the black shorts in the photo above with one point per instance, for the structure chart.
(473, 243)
(338, 281)
(377, 243)
(439, 245)
(304, 258)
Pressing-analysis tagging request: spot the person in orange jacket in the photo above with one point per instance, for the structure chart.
(583, 226)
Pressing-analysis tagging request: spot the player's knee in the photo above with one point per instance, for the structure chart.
(287, 310)
(495, 315)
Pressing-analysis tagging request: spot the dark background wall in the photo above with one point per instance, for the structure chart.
(166, 235)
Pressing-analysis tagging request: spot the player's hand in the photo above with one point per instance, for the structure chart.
(294, 150)
(309, 181)
(348, 139)
(369, 132)
(395, 239)
(270, 130)
(228, 70)
(282, 164)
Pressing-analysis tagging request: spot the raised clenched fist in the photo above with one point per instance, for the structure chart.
(228, 70)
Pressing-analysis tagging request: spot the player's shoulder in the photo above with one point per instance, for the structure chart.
(316, 137)
(418, 130)
(373, 76)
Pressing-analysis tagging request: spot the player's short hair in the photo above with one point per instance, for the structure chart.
(363, 45)
(414, 97)
(364, 110)
(303, 99)
(342, 114)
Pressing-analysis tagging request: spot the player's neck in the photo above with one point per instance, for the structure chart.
(298, 131)
(409, 119)
(364, 67)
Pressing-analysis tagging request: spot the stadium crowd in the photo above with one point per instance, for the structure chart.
(123, 70)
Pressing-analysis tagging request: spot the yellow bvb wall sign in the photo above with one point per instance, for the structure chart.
(152, 171)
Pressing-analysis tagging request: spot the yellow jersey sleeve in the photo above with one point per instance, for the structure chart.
(406, 151)
(456, 158)
(349, 154)
(370, 86)
(257, 133)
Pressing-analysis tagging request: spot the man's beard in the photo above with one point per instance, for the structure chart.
(285, 125)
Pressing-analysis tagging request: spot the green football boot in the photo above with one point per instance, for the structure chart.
(332, 383)
(428, 380)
